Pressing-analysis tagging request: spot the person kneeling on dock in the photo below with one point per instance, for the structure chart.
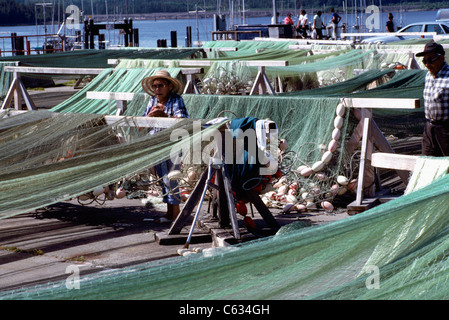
(166, 102)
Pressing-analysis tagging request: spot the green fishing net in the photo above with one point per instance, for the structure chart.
(99, 58)
(49, 157)
(394, 251)
(296, 113)
(397, 250)
(5, 79)
(112, 80)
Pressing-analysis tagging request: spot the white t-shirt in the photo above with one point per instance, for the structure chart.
(303, 19)
(318, 23)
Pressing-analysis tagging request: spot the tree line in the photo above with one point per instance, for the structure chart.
(25, 12)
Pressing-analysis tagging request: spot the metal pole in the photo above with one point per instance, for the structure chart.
(197, 27)
(381, 20)
(244, 12)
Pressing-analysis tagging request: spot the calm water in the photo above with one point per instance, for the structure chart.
(150, 30)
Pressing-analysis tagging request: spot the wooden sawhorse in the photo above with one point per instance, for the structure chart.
(225, 204)
(371, 136)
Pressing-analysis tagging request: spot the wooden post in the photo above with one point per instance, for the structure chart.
(365, 156)
(191, 86)
(190, 204)
(262, 84)
(230, 201)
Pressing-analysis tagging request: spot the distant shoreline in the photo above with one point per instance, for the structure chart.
(176, 15)
(209, 14)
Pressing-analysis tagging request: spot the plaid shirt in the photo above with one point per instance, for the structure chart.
(174, 107)
(436, 95)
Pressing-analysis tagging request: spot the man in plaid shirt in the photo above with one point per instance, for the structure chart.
(166, 102)
(436, 101)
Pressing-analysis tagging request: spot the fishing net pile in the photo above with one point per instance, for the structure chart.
(295, 117)
(394, 251)
(127, 76)
(5, 79)
(296, 113)
(89, 58)
(48, 157)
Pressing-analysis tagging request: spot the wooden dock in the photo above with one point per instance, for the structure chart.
(38, 247)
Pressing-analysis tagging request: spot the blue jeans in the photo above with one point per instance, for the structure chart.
(169, 188)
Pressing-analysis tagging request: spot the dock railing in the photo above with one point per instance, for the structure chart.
(21, 45)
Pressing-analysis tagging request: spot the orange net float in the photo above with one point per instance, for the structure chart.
(249, 223)
(241, 208)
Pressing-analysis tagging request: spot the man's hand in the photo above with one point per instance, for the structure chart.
(157, 111)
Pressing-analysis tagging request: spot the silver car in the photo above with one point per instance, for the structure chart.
(433, 26)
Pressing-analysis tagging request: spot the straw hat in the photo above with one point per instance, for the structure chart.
(161, 74)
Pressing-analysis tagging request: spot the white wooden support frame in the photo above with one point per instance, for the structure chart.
(121, 98)
(18, 91)
(370, 135)
(365, 158)
(188, 73)
(394, 161)
(261, 84)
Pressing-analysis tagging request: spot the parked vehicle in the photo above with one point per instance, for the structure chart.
(433, 26)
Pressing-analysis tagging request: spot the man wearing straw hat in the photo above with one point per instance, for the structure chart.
(436, 101)
(166, 102)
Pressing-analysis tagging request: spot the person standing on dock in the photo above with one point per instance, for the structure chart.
(390, 23)
(288, 19)
(274, 19)
(166, 102)
(318, 25)
(335, 21)
(303, 26)
(436, 101)
(289, 29)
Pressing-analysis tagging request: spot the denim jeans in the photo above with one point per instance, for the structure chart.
(169, 188)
